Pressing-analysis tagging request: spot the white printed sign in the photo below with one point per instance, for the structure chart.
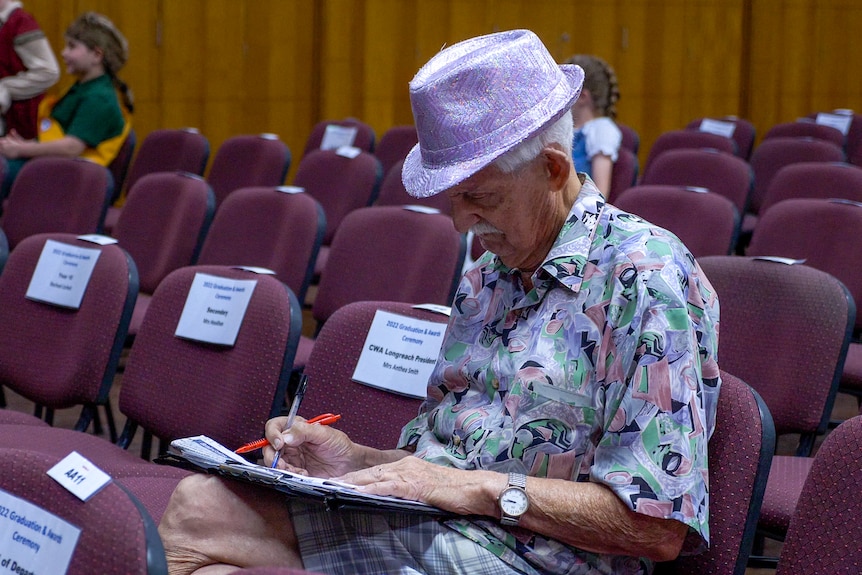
(840, 122)
(33, 540)
(399, 353)
(719, 127)
(79, 476)
(62, 274)
(214, 309)
(336, 136)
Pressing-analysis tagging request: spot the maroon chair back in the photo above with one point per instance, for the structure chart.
(393, 193)
(391, 253)
(164, 222)
(853, 139)
(825, 532)
(743, 133)
(264, 227)
(687, 139)
(772, 310)
(339, 183)
(248, 161)
(824, 180)
(364, 138)
(631, 139)
(225, 392)
(706, 222)
(59, 357)
(119, 166)
(117, 535)
(806, 129)
(394, 145)
(370, 416)
(55, 194)
(740, 452)
(169, 150)
(718, 172)
(824, 233)
(775, 153)
(624, 173)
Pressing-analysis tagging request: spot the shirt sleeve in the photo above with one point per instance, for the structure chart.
(653, 453)
(602, 136)
(42, 71)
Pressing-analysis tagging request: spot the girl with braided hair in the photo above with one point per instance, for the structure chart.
(597, 138)
(93, 118)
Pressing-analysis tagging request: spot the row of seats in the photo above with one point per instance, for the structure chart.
(252, 377)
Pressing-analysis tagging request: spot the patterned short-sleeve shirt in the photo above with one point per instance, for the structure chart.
(605, 371)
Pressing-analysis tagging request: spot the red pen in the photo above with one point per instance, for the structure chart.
(322, 419)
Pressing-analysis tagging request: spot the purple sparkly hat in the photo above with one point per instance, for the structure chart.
(478, 99)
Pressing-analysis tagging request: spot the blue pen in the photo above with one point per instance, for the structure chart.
(294, 407)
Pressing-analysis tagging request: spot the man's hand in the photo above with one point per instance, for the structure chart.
(316, 450)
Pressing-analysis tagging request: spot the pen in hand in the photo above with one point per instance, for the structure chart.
(294, 407)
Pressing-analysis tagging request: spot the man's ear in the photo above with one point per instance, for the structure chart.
(558, 167)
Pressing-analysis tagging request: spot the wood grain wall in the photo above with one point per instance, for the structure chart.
(247, 66)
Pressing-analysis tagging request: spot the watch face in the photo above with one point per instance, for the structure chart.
(514, 501)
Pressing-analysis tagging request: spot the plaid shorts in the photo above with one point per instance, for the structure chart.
(361, 542)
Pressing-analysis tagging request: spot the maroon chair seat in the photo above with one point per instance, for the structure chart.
(740, 451)
(265, 227)
(119, 166)
(248, 161)
(853, 138)
(631, 140)
(706, 222)
(56, 194)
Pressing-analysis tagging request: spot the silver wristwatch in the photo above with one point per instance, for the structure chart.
(513, 499)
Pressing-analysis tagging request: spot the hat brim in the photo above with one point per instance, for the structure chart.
(423, 181)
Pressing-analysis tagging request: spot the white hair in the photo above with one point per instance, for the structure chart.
(559, 132)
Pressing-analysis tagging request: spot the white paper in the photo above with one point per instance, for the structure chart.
(349, 152)
(336, 136)
(256, 270)
(780, 260)
(98, 239)
(435, 307)
(79, 476)
(840, 122)
(698, 189)
(33, 540)
(62, 274)
(290, 189)
(719, 127)
(421, 209)
(399, 353)
(214, 309)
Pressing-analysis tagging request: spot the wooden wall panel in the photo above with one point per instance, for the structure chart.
(279, 66)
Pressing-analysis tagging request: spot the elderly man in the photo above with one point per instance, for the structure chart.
(567, 417)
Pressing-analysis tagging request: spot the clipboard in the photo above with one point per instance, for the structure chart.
(203, 454)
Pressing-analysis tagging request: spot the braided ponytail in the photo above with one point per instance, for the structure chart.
(601, 81)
